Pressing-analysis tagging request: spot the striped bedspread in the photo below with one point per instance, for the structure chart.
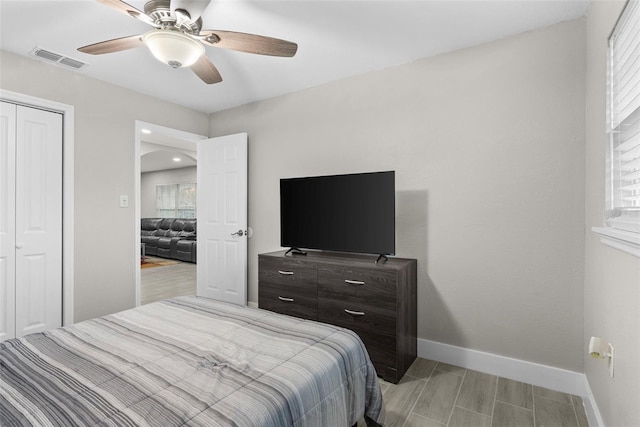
(189, 361)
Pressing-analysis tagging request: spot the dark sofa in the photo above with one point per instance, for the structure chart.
(173, 238)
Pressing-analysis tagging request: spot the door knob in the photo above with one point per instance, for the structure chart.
(238, 233)
(18, 246)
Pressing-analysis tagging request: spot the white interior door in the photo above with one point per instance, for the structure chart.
(38, 221)
(7, 221)
(222, 219)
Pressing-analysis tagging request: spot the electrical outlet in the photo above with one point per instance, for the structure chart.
(611, 352)
(124, 201)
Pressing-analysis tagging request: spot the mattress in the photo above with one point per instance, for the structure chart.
(189, 361)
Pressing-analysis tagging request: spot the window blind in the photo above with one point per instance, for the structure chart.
(166, 201)
(623, 120)
(186, 205)
(176, 200)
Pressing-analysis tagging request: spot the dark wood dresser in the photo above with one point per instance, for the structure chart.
(377, 301)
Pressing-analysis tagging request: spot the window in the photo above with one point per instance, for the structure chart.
(623, 131)
(176, 200)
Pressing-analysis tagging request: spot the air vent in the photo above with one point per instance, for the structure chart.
(73, 63)
(56, 58)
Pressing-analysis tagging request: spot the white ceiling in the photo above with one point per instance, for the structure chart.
(158, 157)
(336, 39)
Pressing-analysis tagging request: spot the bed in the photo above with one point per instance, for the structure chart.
(189, 361)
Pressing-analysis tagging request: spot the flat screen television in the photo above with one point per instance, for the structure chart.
(342, 213)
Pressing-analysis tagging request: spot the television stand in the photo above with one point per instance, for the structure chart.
(382, 256)
(295, 251)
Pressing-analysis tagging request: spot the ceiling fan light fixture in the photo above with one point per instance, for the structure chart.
(173, 48)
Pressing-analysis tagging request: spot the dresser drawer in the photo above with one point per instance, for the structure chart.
(382, 352)
(300, 301)
(367, 285)
(353, 314)
(287, 272)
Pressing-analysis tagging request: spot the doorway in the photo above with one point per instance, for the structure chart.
(160, 144)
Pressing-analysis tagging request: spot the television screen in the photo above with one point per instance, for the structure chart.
(343, 213)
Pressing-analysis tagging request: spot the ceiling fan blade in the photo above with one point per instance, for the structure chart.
(250, 43)
(114, 45)
(128, 10)
(205, 69)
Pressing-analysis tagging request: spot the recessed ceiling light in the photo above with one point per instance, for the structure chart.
(145, 131)
(177, 159)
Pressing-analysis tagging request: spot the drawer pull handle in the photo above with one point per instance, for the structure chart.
(286, 273)
(285, 299)
(354, 313)
(354, 282)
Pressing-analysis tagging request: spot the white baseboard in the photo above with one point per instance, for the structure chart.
(252, 304)
(591, 408)
(514, 369)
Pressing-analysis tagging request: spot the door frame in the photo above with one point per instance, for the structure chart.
(67, 112)
(166, 131)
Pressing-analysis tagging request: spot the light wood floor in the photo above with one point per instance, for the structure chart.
(431, 394)
(167, 281)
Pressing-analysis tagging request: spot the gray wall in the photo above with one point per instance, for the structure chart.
(488, 148)
(612, 277)
(105, 115)
(149, 180)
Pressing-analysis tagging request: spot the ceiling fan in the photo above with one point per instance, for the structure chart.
(178, 38)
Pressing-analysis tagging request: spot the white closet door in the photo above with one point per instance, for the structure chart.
(7, 221)
(38, 222)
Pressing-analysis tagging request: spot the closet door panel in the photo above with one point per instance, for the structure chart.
(7, 220)
(38, 220)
